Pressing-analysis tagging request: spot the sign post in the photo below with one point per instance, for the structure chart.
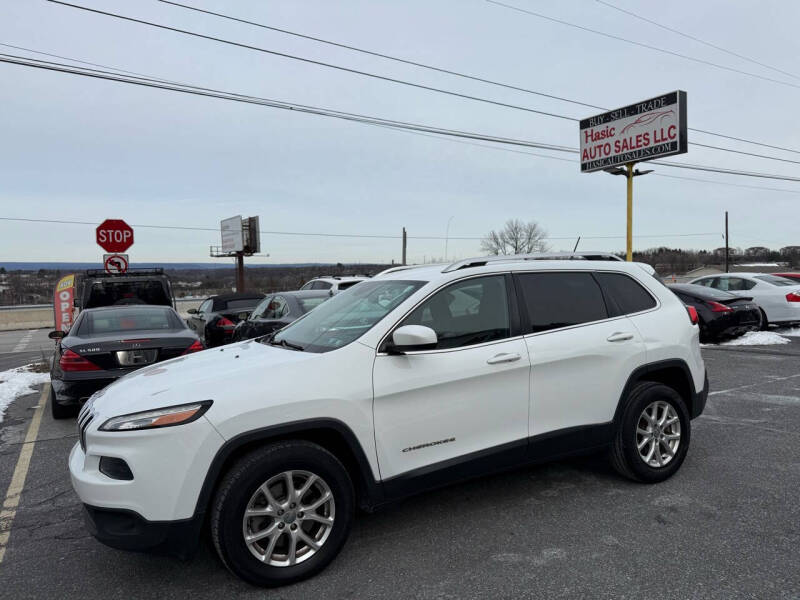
(616, 140)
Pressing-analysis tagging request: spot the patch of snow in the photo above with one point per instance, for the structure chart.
(795, 332)
(16, 383)
(755, 338)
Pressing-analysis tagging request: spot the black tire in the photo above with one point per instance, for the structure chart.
(61, 411)
(624, 454)
(764, 320)
(245, 477)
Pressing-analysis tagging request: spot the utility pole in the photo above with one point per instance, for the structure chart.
(447, 236)
(240, 272)
(405, 245)
(727, 245)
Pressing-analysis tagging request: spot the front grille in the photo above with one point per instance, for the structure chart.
(84, 419)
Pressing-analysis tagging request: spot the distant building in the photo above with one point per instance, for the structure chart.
(790, 250)
(757, 251)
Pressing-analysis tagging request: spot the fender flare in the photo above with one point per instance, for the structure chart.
(371, 490)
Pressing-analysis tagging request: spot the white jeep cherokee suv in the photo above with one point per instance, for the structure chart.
(417, 378)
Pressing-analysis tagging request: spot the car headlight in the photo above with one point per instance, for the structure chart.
(161, 417)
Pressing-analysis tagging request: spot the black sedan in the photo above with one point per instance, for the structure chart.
(722, 314)
(106, 343)
(277, 311)
(217, 316)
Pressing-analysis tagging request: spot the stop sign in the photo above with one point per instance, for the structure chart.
(114, 235)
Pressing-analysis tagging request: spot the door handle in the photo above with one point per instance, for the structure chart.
(620, 337)
(503, 358)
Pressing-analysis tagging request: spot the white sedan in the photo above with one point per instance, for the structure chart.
(778, 297)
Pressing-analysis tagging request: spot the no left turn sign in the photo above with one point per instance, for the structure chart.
(115, 263)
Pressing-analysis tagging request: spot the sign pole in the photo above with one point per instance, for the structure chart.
(629, 235)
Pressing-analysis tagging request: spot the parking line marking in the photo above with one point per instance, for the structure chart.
(24, 341)
(744, 387)
(14, 492)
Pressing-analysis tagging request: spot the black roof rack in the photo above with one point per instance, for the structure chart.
(102, 273)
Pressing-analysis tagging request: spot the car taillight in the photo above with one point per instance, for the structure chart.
(717, 307)
(225, 323)
(793, 297)
(196, 347)
(693, 316)
(70, 361)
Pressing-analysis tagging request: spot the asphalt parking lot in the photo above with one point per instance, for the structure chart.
(726, 526)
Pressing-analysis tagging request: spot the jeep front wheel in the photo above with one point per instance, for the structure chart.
(282, 513)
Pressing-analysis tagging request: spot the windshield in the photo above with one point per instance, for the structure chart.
(345, 317)
(774, 280)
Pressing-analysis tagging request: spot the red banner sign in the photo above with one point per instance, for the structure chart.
(63, 302)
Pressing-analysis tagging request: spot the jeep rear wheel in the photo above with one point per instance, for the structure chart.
(282, 513)
(652, 437)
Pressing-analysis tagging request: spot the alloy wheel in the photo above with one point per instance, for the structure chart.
(289, 518)
(658, 434)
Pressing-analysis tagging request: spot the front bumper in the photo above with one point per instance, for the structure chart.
(128, 530)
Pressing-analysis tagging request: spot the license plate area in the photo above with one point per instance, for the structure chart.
(136, 358)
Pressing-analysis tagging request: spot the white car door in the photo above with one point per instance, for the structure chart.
(468, 397)
(581, 352)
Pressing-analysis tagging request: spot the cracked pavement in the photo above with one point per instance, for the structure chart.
(726, 526)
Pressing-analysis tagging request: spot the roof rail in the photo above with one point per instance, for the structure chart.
(484, 260)
(406, 268)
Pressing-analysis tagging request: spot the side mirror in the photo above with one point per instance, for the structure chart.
(413, 337)
(57, 335)
(192, 311)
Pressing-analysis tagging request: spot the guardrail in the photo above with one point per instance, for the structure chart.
(50, 306)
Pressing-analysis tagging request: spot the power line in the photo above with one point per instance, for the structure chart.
(445, 70)
(572, 162)
(353, 235)
(318, 63)
(693, 38)
(364, 119)
(640, 44)
(368, 74)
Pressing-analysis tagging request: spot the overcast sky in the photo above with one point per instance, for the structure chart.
(80, 149)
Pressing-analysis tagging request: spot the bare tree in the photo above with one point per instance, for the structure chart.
(516, 237)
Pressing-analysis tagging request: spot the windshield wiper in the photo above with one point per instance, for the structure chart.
(286, 344)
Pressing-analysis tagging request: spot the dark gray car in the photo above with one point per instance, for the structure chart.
(277, 311)
(106, 343)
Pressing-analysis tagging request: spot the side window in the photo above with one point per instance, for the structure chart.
(718, 283)
(557, 300)
(258, 312)
(747, 284)
(308, 286)
(466, 313)
(704, 282)
(322, 285)
(205, 306)
(626, 293)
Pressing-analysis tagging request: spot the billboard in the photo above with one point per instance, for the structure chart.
(232, 234)
(63, 302)
(643, 131)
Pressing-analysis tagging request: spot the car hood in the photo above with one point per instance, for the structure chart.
(194, 377)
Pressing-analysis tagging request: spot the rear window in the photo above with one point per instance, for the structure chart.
(349, 284)
(555, 300)
(110, 293)
(236, 304)
(774, 280)
(625, 293)
(124, 320)
(306, 304)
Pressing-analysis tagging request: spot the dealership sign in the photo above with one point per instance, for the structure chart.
(642, 131)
